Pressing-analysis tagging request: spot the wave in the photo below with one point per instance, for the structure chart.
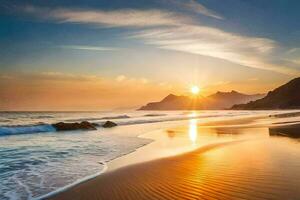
(117, 117)
(41, 128)
(42, 117)
(169, 119)
(154, 115)
(98, 118)
(27, 129)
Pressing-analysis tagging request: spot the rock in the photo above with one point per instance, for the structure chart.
(95, 124)
(109, 124)
(85, 125)
(292, 131)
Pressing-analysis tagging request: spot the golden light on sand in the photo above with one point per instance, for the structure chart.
(195, 90)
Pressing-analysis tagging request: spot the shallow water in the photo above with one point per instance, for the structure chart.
(36, 164)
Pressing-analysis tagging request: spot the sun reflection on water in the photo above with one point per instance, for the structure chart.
(193, 130)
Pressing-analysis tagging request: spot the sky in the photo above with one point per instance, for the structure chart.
(116, 54)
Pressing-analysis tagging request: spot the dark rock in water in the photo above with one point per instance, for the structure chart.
(292, 131)
(283, 115)
(109, 124)
(95, 124)
(85, 125)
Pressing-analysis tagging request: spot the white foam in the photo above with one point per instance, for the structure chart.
(59, 190)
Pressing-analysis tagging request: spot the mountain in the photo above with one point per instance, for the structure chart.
(286, 96)
(170, 102)
(225, 100)
(219, 100)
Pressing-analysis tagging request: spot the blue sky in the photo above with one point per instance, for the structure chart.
(217, 44)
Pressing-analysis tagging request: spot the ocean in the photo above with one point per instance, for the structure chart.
(35, 160)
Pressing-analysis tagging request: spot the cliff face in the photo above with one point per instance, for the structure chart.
(286, 96)
(219, 100)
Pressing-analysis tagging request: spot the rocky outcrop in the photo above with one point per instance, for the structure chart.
(109, 124)
(292, 131)
(85, 125)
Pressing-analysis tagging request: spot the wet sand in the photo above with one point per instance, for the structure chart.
(237, 167)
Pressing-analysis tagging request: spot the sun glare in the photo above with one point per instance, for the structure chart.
(195, 89)
(193, 130)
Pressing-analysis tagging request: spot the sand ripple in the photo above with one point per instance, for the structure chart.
(265, 169)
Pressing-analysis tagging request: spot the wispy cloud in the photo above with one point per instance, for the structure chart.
(89, 48)
(115, 18)
(213, 42)
(123, 78)
(175, 31)
(196, 7)
(293, 55)
(53, 76)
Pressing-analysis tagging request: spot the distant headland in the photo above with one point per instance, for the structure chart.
(217, 101)
(286, 96)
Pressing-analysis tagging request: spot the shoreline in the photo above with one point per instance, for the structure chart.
(67, 187)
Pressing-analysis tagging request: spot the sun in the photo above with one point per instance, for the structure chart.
(195, 90)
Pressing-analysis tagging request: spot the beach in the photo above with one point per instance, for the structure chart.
(38, 161)
(149, 100)
(230, 159)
